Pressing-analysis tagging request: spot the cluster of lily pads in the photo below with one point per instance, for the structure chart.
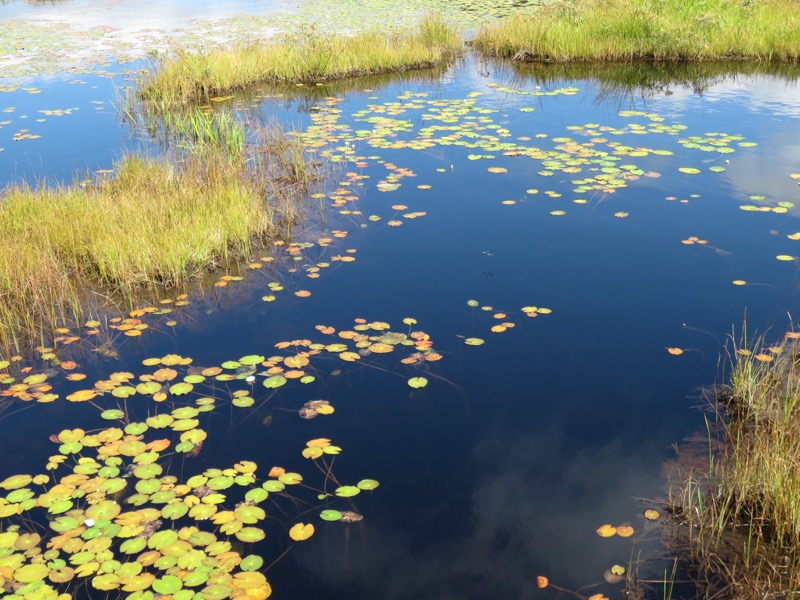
(466, 123)
(109, 509)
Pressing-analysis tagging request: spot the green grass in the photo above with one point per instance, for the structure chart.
(743, 510)
(154, 223)
(308, 56)
(622, 30)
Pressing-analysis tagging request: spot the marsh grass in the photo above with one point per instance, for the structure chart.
(621, 30)
(154, 223)
(743, 510)
(306, 56)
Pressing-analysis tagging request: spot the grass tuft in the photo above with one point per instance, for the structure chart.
(154, 223)
(743, 510)
(623, 30)
(306, 56)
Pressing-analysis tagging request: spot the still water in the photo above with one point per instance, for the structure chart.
(518, 449)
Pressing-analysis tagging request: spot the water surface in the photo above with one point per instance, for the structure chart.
(503, 467)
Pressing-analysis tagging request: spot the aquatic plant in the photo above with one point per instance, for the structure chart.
(740, 513)
(153, 223)
(655, 30)
(306, 56)
(123, 485)
(112, 509)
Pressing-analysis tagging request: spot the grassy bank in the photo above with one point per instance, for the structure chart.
(599, 30)
(155, 222)
(743, 511)
(309, 56)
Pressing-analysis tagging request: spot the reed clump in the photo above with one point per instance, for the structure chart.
(742, 513)
(305, 56)
(668, 30)
(154, 223)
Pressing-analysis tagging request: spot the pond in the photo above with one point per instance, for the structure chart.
(513, 282)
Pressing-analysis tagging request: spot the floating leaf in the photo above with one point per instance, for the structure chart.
(82, 396)
(367, 484)
(625, 531)
(606, 530)
(168, 584)
(417, 382)
(651, 514)
(15, 482)
(275, 381)
(301, 531)
(251, 563)
(330, 515)
(249, 535)
(347, 491)
(31, 572)
(675, 351)
(542, 582)
(473, 342)
(252, 359)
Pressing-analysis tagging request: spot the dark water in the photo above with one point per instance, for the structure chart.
(503, 467)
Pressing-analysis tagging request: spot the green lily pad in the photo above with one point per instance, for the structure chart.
(256, 495)
(185, 412)
(162, 539)
(112, 414)
(175, 510)
(123, 391)
(330, 515)
(195, 578)
(148, 471)
(252, 359)
(275, 381)
(251, 563)
(31, 572)
(160, 421)
(367, 484)
(249, 515)
(169, 584)
(136, 428)
(347, 491)
(272, 485)
(181, 389)
(250, 535)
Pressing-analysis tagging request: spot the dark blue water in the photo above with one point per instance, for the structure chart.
(503, 467)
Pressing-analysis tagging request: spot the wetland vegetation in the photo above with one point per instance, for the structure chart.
(741, 510)
(659, 30)
(189, 461)
(147, 222)
(310, 56)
